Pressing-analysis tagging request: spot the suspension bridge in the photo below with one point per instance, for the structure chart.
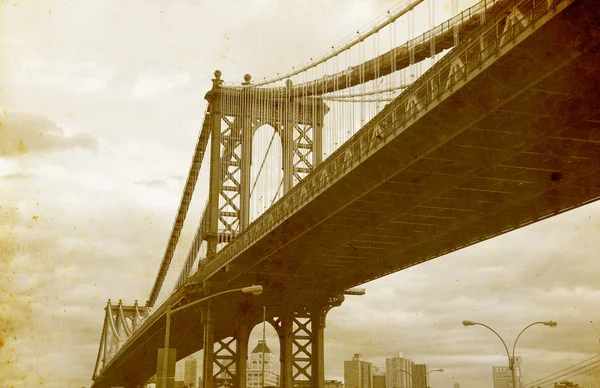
(389, 149)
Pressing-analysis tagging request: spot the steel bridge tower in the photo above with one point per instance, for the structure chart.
(234, 115)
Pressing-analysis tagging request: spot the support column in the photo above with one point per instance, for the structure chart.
(247, 135)
(243, 335)
(301, 332)
(209, 343)
(317, 316)
(317, 152)
(286, 352)
(215, 166)
(167, 357)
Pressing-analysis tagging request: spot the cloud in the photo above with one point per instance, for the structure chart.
(22, 134)
(159, 183)
(57, 269)
(18, 176)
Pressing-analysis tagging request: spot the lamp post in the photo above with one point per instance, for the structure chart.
(427, 374)
(408, 373)
(254, 290)
(511, 361)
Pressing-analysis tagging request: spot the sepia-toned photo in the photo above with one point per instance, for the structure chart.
(300, 194)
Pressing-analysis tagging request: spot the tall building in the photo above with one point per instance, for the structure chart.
(378, 378)
(254, 371)
(358, 373)
(503, 376)
(190, 375)
(379, 381)
(397, 371)
(419, 376)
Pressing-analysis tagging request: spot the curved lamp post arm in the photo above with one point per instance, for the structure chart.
(408, 373)
(254, 290)
(469, 323)
(434, 370)
(548, 323)
(402, 370)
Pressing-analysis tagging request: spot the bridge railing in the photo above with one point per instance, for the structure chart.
(500, 27)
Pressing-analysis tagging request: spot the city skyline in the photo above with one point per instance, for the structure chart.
(117, 95)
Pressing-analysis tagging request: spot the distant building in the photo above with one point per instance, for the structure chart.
(358, 373)
(333, 384)
(379, 381)
(254, 371)
(419, 376)
(503, 376)
(396, 372)
(302, 384)
(378, 378)
(223, 380)
(190, 374)
(456, 385)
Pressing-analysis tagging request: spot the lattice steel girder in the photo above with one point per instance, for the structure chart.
(235, 115)
(300, 328)
(225, 359)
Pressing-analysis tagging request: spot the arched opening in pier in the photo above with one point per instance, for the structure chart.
(263, 358)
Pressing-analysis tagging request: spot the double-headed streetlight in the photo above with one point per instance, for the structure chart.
(511, 361)
(253, 290)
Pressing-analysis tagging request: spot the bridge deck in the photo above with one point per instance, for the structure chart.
(517, 143)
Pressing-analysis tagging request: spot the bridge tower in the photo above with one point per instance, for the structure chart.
(234, 115)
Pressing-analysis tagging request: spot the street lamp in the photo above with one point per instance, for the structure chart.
(511, 361)
(433, 370)
(426, 374)
(408, 373)
(253, 290)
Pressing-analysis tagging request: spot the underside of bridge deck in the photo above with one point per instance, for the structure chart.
(517, 143)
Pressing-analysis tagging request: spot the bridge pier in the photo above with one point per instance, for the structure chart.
(208, 358)
(301, 331)
(229, 354)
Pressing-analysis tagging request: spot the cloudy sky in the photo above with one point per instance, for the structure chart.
(100, 108)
